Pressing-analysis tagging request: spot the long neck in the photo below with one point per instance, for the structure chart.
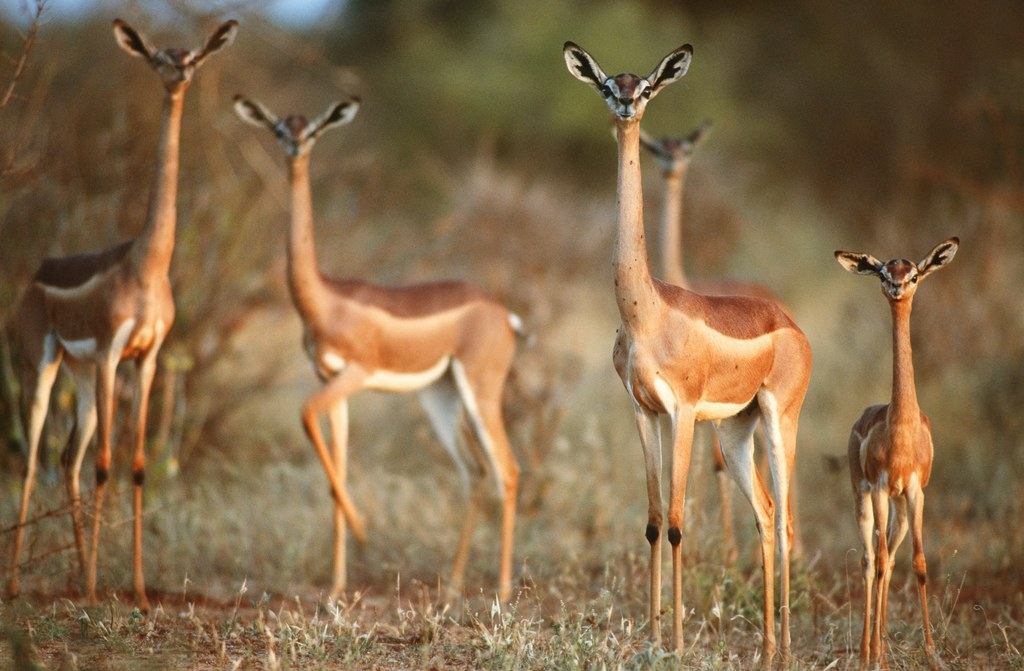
(303, 274)
(903, 407)
(634, 287)
(672, 230)
(155, 244)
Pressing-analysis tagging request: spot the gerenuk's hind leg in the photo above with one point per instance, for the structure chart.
(85, 428)
(736, 434)
(915, 500)
(37, 390)
(483, 409)
(337, 419)
(780, 429)
(443, 406)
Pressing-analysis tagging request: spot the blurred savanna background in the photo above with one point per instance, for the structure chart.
(875, 126)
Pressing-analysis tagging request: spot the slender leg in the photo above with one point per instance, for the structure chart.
(650, 440)
(441, 402)
(780, 430)
(106, 371)
(37, 388)
(784, 455)
(682, 442)
(736, 435)
(915, 499)
(880, 502)
(729, 550)
(796, 539)
(339, 388)
(474, 499)
(508, 473)
(465, 543)
(145, 371)
(85, 427)
(491, 434)
(866, 525)
(338, 421)
(481, 398)
(897, 512)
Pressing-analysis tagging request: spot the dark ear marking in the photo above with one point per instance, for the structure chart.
(254, 113)
(862, 264)
(130, 40)
(222, 37)
(582, 66)
(671, 68)
(942, 254)
(337, 114)
(584, 69)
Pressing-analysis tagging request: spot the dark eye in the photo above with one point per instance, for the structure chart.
(646, 92)
(606, 91)
(913, 280)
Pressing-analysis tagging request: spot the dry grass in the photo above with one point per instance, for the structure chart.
(573, 615)
(238, 560)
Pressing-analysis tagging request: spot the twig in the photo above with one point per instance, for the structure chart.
(28, 40)
(34, 558)
(38, 518)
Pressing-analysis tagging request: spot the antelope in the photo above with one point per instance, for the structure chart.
(890, 453)
(449, 341)
(732, 360)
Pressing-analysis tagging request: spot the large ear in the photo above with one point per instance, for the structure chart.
(337, 114)
(583, 67)
(862, 264)
(938, 257)
(671, 68)
(131, 40)
(700, 133)
(222, 37)
(255, 113)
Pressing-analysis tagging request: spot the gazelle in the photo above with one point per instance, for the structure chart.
(449, 341)
(731, 360)
(674, 155)
(890, 453)
(94, 310)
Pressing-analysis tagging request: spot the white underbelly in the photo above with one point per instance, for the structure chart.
(709, 410)
(400, 382)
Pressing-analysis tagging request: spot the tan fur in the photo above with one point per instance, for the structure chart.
(674, 156)
(890, 455)
(364, 336)
(697, 357)
(108, 307)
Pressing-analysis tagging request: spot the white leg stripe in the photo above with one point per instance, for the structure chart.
(480, 431)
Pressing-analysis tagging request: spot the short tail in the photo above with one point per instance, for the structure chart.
(516, 322)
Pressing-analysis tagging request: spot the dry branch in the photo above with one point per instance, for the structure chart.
(19, 63)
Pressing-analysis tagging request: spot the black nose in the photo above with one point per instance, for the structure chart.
(626, 101)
